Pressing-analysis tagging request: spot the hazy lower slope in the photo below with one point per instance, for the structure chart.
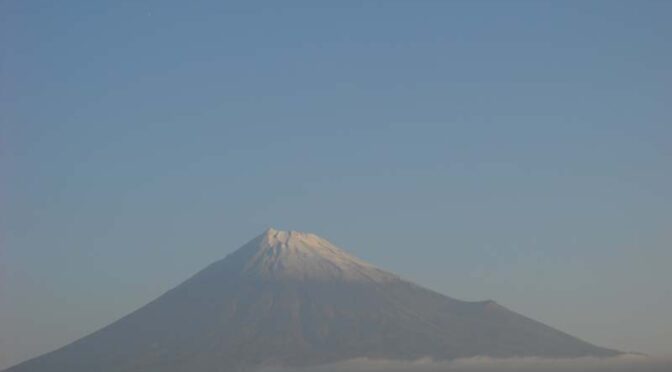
(294, 299)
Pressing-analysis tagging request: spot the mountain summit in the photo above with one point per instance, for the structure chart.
(292, 255)
(295, 299)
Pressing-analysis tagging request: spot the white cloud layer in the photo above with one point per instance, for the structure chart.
(624, 363)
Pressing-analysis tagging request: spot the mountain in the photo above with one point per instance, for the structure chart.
(295, 299)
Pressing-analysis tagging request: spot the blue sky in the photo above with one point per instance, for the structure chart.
(517, 151)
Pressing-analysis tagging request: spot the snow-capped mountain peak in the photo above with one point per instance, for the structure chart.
(278, 254)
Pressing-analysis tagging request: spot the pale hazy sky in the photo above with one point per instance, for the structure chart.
(515, 151)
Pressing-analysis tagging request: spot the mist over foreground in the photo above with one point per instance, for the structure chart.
(624, 363)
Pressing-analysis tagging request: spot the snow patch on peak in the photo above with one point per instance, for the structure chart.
(278, 254)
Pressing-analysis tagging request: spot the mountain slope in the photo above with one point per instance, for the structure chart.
(294, 299)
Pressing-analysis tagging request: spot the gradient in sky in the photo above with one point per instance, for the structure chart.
(515, 151)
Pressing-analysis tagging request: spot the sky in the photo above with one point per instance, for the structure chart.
(517, 151)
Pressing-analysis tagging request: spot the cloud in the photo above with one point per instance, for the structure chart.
(624, 363)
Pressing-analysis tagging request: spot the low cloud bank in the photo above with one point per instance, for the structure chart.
(623, 363)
